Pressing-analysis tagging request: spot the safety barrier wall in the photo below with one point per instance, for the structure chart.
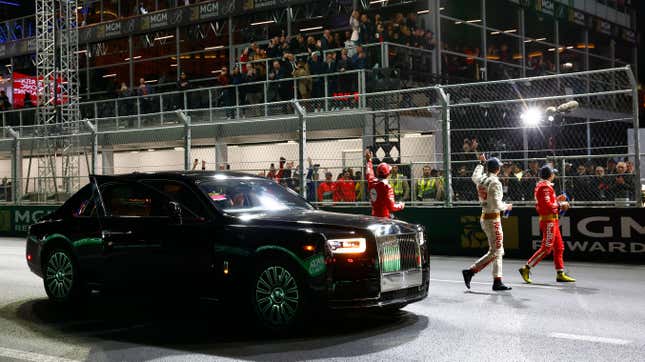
(590, 234)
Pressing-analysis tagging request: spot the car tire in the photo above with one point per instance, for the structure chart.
(61, 277)
(278, 296)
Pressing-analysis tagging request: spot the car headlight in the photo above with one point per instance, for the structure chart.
(347, 246)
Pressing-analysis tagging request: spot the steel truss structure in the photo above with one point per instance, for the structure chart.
(58, 100)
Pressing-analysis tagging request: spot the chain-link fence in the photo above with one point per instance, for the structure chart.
(431, 134)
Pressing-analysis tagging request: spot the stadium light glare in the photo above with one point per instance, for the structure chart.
(531, 117)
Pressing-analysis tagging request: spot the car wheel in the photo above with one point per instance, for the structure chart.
(61, 279)
(278, 296)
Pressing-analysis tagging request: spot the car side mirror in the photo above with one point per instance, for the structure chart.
(175, 212)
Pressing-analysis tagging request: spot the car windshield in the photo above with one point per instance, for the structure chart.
(238, 195)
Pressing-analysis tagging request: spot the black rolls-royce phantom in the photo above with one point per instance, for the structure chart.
(225, 234)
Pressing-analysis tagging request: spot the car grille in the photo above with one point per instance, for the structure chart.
(399, 261)
(399, 252)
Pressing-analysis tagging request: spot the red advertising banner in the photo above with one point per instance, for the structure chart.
(26, 89)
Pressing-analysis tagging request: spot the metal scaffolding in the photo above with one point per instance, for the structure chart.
(57, 109)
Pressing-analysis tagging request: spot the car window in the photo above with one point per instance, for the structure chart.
(236, 195)
(181, 193)
(82, 203)
(132, 199)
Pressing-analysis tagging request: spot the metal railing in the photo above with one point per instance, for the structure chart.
(432, 123)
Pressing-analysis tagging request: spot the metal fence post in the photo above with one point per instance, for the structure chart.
(16, 166)
(237, 102)
(326, 93)
(302, 146)
(266, 100)
(445, 118)
(363, 89)
(138, 112)
(413, 186)
(210, 105)
(637, 148)
(187, 138)
(161, 110)
(95, 146)
(386, 53)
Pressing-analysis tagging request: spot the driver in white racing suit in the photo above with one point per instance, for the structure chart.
(490, 192)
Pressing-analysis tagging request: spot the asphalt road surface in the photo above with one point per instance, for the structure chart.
(600, 318)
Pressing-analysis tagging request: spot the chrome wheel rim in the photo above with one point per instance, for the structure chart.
(276, 295)
(59, 275)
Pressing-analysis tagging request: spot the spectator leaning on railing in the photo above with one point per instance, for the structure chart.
(581, 185)
(317, 67)
(345, 187)
(426, 186)
(312, 180)
(623, 185)
(304, 85)
(252, 93)
(599, 184)
(399, 185)
(327, 189)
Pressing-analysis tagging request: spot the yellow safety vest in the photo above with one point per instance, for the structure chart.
(397, 184)
(424, 185)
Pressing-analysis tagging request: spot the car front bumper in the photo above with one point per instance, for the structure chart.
(366, 293)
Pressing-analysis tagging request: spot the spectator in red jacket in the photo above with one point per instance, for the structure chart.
(346, 187)
(327, 189)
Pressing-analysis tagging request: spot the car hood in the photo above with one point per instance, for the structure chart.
(316, 218)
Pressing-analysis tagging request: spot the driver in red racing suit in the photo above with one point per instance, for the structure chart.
(380, 191)
(548, 206)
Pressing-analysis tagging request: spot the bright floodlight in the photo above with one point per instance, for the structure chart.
(531, 117)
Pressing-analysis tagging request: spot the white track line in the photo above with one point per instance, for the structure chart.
(579, 337)
(30, 356)
(490, 283)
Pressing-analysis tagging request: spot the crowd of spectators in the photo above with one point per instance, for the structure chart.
(583, 181)
(283, 59)
(350, 186)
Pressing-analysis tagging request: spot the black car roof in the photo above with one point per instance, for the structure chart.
(174, 175)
